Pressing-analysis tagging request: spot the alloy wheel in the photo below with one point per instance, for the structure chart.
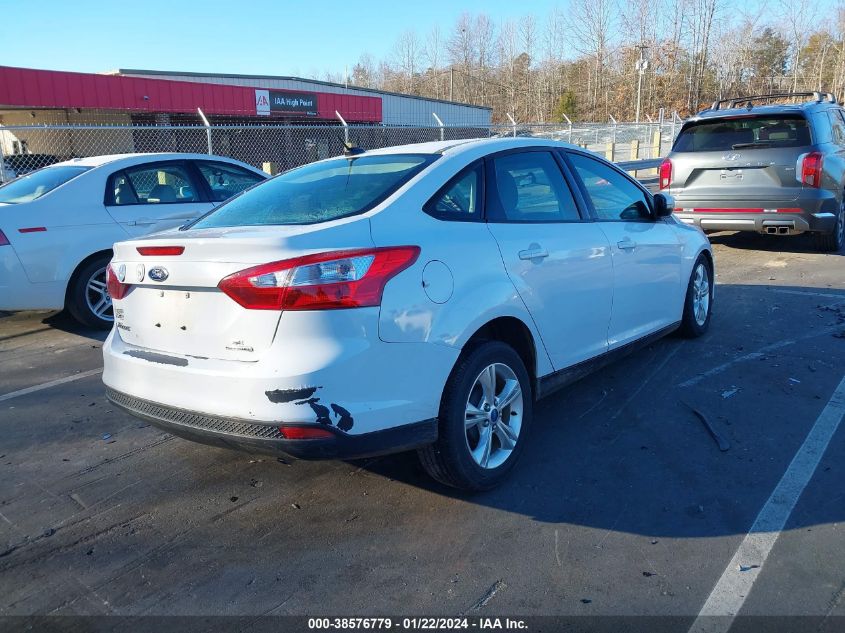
(493, 415)
(701, 294)
(97, 296)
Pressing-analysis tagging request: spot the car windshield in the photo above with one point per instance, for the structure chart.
(743, 132)
(38, 183)
(319, 192)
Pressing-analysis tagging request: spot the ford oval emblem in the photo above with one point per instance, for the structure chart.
(731, 156)
(158, 273)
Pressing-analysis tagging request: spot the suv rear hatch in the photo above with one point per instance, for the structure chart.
(173, 304)
(739, 158)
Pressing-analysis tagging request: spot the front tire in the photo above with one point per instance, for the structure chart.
(699, 300)
(88, 300)
(485, 413)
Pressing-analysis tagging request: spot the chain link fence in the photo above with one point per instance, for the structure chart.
(281, 147)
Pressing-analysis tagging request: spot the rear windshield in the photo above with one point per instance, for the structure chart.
(38, 183)
(319, 192)
(745, 132)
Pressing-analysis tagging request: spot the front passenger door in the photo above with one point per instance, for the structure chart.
(647, 290)
(154, 197)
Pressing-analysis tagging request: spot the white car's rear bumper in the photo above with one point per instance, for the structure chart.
(354, 387)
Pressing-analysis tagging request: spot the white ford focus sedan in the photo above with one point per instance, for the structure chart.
(416, 297)
(58, 224)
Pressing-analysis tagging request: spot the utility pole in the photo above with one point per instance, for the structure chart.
(451, 83)
(641, 67)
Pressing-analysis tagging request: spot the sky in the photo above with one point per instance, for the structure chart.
(280, 37)
(261, 37)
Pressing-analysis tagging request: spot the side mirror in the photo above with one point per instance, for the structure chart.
(663, 205)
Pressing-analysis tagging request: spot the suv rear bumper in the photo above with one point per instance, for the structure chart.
(253, 437)
(807, 209)
(782, 223)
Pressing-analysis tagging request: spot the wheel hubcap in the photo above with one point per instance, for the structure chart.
(493, 415)
(701, 294)
(97, 296)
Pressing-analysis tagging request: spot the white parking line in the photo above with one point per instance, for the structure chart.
(52, 383)
(763, 351)
(733, 587)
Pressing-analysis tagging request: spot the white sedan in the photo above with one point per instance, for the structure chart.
(413, 297)
(58, 224)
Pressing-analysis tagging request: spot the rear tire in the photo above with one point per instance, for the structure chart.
(832, 242)
(485, 415)
(88, 300)
(698, 304)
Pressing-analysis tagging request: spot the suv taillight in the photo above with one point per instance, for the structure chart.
(325, 281)
(665, 173)
(811, 170)
(116, 288)
(4, 241)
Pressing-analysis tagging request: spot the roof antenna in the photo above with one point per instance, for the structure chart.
(749, 105)
(352, 150)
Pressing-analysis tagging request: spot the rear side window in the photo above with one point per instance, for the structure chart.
(460, 198)
(319, 192)
(743, 133)
(155, 183)
(38, 183)
(226, 180)
(837, 127)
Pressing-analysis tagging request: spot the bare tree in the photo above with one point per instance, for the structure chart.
(590, 22)
(796, 16)
(407, 52)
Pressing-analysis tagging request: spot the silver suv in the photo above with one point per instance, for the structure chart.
(777, 169)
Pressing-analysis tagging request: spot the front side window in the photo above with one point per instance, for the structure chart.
(460, 198)
(614, 197)
(226, 180)
(151, 184)
(319, 192)
(530, 188)
(39, 183)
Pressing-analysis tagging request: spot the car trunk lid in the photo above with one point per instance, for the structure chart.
(749, 155)
(749, 173)
(175, 306)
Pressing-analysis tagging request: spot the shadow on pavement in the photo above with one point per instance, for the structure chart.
(622, 450)
(745, 240)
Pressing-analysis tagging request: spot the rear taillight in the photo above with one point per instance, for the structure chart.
(325, 281)
(4, 241)
(811, 170)
(116, 288)
(160, 251)
(665, 173)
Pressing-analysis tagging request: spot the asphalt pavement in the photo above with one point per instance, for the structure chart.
(623, 503)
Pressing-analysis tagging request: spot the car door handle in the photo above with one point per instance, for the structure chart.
(533, 253)
(627, 244)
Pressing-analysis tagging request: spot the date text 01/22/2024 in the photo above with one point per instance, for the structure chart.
(417, 623)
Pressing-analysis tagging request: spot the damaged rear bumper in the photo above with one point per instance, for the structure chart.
(246, 435)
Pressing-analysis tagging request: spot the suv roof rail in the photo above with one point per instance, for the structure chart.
(733, 102)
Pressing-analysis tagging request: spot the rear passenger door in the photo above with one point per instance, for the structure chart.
(559, 262)
(155, 196)
(647, 285)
